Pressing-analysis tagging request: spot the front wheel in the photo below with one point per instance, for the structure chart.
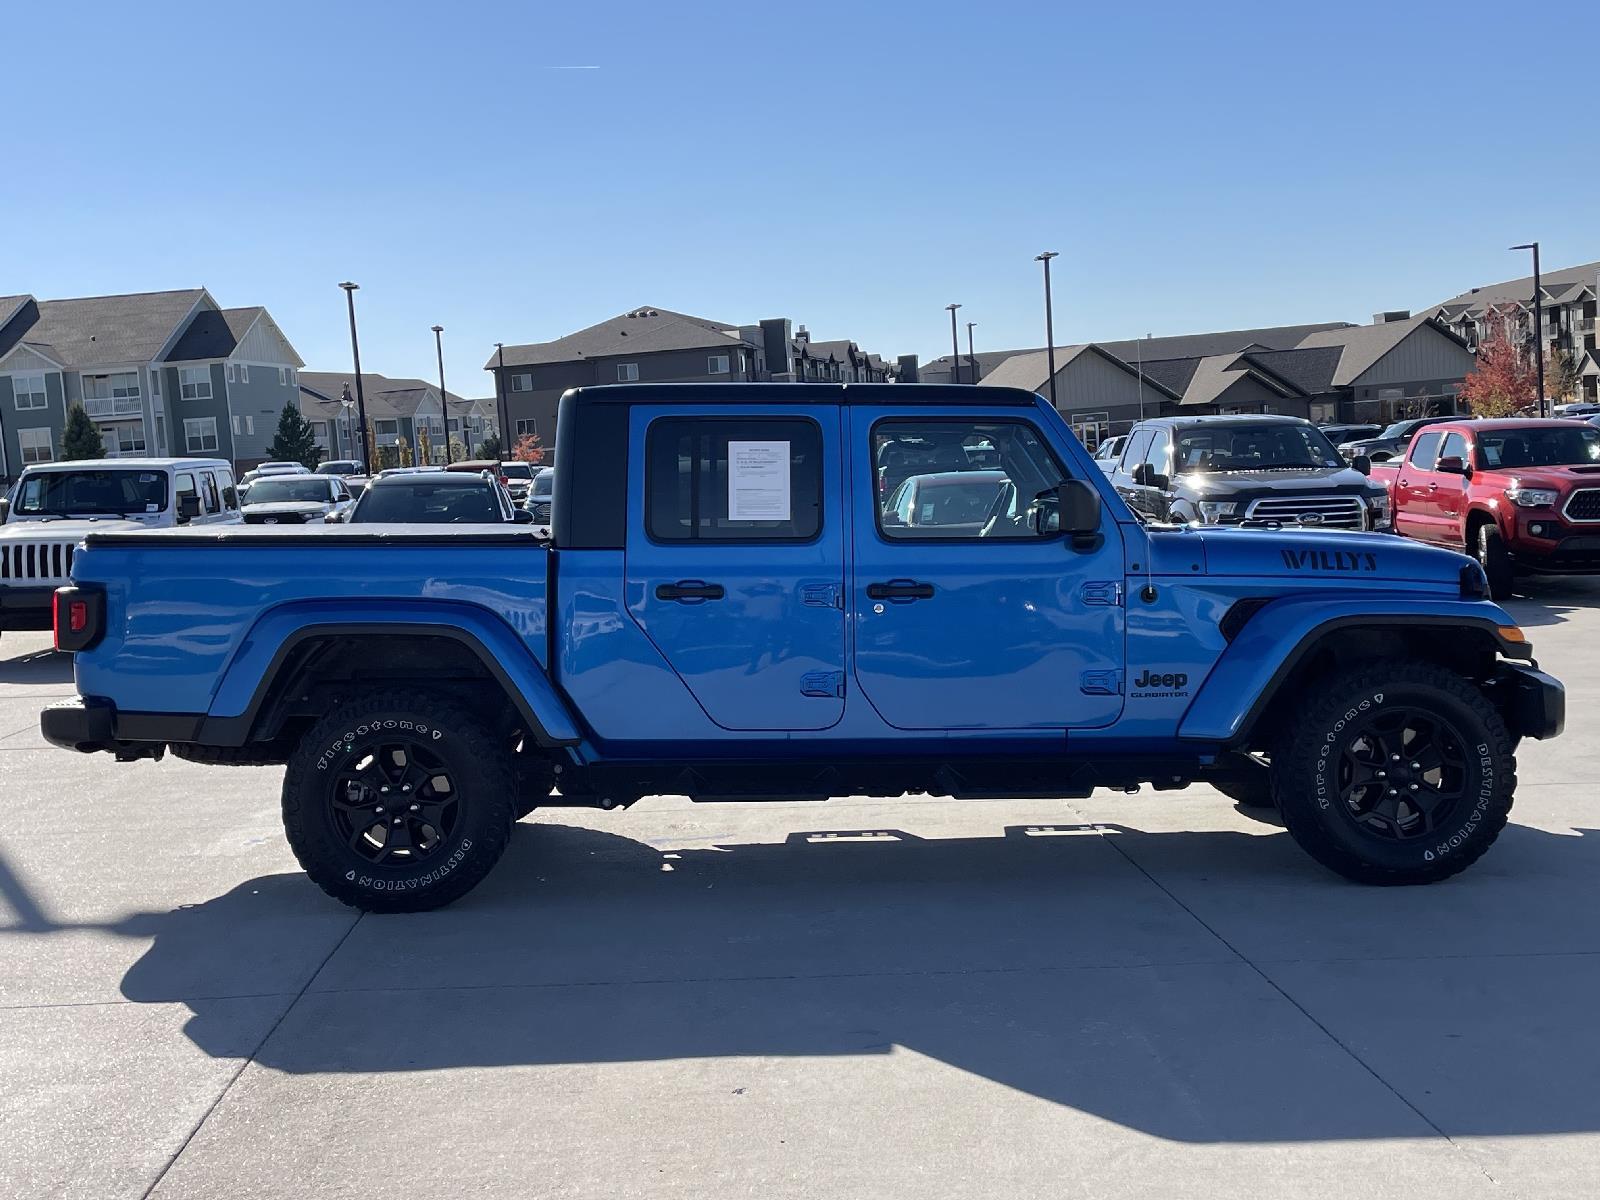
(398, 802)
(1398, 773)
(1495, 560)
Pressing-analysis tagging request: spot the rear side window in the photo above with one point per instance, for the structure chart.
(208, 492)
(184, 484)
(1425, 451)
(750, 479)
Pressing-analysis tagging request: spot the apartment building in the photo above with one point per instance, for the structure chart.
(398, 410)
(1568, 298)
(160, 373)
(655, 345)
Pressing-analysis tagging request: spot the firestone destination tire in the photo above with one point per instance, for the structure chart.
(1397, 773)
(398, 802)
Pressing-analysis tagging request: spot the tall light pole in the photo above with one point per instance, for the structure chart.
(972, 359)
(955, 343)
(500, 401)
(444, 396)
(1538, 320)
(1049, 321)
(355, 353)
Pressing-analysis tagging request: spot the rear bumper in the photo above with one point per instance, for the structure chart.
(89, 725)
(26, 607)
(74, 725)
(1533, 703)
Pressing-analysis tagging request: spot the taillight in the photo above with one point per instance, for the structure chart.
(77, 617)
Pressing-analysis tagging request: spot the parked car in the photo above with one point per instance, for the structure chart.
(274, 468)
(345, 467)
(1233, 470)
(740, 622)
(435, 498)
(53, 505)
(947, 504)
(540, 498)
(1109, 450)
(1340, 434)
(1579, 408)
(1388, 444)
(517, 477)
(1522, 495)
(295, 499)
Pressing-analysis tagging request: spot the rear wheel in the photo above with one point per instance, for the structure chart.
(1495, 560)
(398, 802)
(1398, 773)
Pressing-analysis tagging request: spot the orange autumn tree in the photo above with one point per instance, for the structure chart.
(1502, 382)
(528, 449)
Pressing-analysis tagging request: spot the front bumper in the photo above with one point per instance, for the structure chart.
(1534, 704)
(26, 607)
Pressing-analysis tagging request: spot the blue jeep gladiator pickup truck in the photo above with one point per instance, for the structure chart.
(760, 592)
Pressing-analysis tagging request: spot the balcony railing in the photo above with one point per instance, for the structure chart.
(113, 406)
(1584, 324)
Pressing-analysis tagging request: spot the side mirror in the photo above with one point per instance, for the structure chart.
(1452, 464)
(1362, 463)
(893, 517)
(522, 516)
(1072, 507)
(1147, 476)
(188, 508)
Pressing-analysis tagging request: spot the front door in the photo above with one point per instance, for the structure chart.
(965, 618)
(735, 558)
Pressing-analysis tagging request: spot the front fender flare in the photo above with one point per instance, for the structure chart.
(1275, 639)
(247, 680)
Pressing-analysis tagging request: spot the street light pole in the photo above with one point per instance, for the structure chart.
(1049, 321)
(972, 359)
(1538, 320)
(355, 353)
(444, 396)
(500, 401)
(955, 343)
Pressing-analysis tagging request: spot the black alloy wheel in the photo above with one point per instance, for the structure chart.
(1402, 773)
(395, 802)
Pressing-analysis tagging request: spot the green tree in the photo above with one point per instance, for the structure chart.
(489, 447)
(295, 441)
(80, 438)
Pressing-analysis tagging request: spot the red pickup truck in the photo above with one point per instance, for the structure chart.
(1521, 495)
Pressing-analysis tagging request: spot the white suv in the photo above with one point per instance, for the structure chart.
(53, 505)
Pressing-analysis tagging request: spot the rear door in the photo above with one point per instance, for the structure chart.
(986, 625)
(735, 558)
(1450, 491)
(1416, 507)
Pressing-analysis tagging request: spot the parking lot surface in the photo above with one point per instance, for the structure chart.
(1138, 995)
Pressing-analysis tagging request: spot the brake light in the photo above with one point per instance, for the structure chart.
(77, 617)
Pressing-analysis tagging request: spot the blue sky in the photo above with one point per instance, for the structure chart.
(515, 171)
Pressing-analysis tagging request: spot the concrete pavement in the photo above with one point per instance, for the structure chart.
(1142, 995)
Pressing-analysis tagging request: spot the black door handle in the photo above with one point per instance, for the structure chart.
(689, 589)
(900, 589)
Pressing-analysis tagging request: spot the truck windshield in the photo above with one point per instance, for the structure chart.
(458, 502)
(91, 493)
(1264, 447)
(516, 470)
(281, 490)
(1550, 446)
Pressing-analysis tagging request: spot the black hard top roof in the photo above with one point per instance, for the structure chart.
(800, 393)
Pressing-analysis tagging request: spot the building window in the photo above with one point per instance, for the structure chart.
(36, 445)
(200, 434)
(522, 383)
(111, 395)
(228, 372)
(155, 382)
(772, 494)
(28, 391)
(717, 364)
(319, 431)
(283, 376)
(244, 372)
(245, 424)
(123, 437)
(194, 383)
(387, 428)
(627, 372)
(527, 429)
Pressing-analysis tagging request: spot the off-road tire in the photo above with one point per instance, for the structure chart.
(1495, 561)
(1309, 761)
(476, 763)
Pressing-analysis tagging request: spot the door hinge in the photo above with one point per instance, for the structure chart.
(1101, 683)
(826, 685)
(822, 595)
(1101, 591)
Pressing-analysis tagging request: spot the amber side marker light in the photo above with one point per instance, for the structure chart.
(1512, 633)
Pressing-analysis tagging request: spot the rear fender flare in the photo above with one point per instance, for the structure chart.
(1247, 675)
(247, 681)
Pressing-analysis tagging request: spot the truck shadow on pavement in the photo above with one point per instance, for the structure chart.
(37, 667)
(1247, 996)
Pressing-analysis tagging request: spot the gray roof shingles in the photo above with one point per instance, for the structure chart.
(100, 330)
(638, 331)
